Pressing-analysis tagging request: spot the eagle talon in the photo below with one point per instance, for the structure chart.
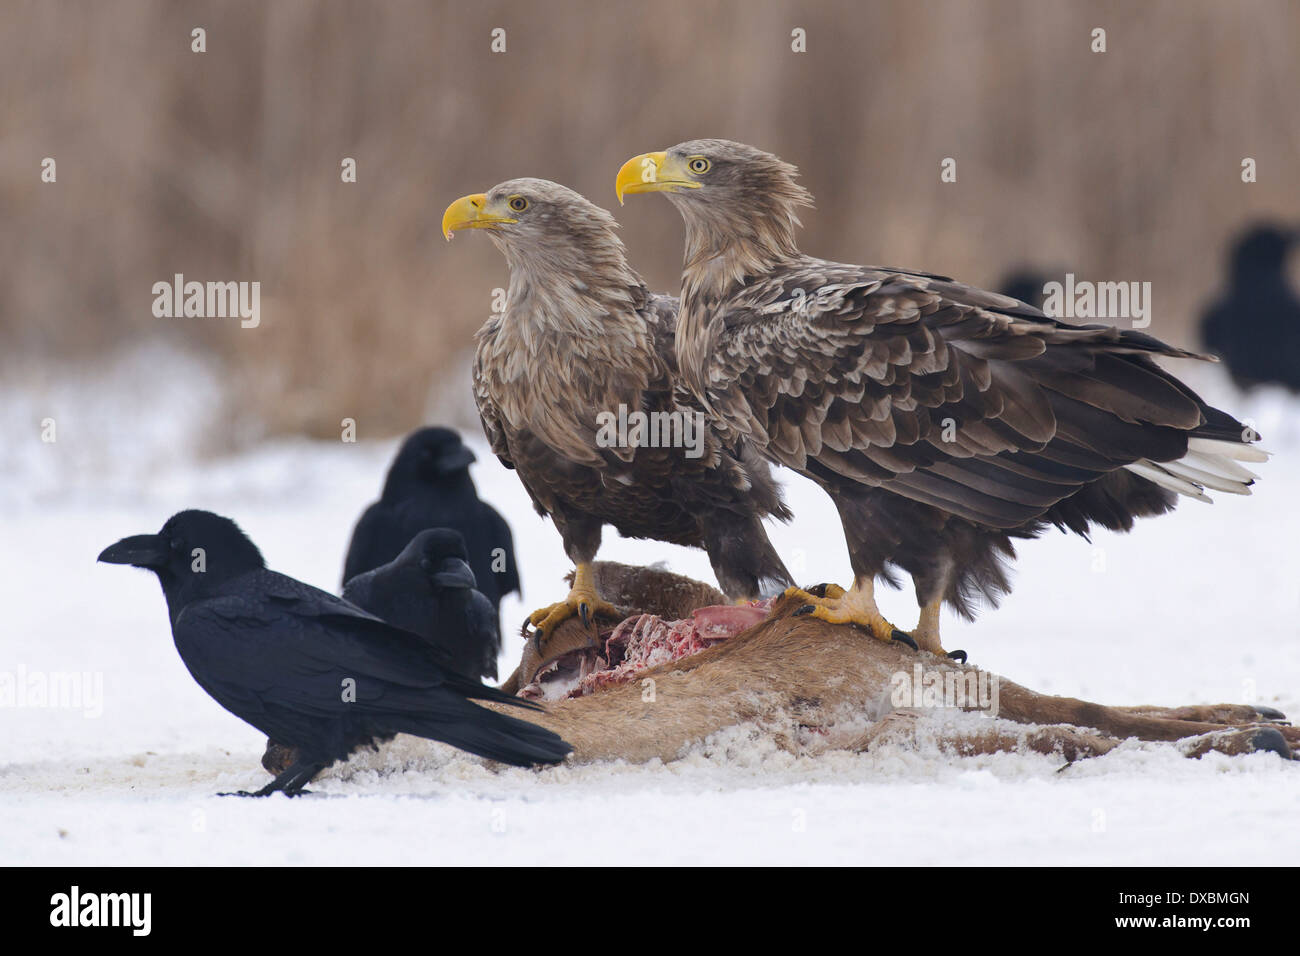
(582, 601)
(902, 637)
(826, 590)
(958, 656)
(856, 607)
(818, 593)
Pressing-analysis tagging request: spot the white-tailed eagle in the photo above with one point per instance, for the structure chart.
(582, 344)
(944, 421)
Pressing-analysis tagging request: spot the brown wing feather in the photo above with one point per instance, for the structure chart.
(949, 395)
(545, 426)
(488, 412)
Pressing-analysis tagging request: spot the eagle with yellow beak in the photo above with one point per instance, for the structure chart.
(944, 421)
(575, 384)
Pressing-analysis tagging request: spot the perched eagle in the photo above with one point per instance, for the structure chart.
(943, 420)
(582, 343)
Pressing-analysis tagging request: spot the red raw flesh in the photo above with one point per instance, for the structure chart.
(639, 643)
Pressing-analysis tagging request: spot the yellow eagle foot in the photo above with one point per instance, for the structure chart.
(582, 601)
(817, 593)
(856, 606)
(926, 633)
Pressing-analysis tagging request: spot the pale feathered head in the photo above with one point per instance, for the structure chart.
(727, 192)
(545, 230)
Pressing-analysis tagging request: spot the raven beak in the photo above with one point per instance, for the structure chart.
(652, 173)
(462, 457)
(471, 212)
(454, 573)
(141, 550)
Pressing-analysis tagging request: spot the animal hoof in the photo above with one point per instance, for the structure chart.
(958, 656)
(902, 637)
(1270, 739)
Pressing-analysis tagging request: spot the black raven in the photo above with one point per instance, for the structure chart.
(429, 486)
(307, 668)
(1025, 285)
(429, 590)
(1255, 324)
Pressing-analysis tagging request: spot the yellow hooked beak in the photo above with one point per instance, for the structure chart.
(652, 173)
(471, 212)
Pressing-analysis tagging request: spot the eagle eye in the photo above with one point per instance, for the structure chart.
(518, 203)
(699, 165)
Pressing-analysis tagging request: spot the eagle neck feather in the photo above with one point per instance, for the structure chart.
(723, 253)
(566, 349)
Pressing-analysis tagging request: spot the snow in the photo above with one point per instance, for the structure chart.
(1201, 606)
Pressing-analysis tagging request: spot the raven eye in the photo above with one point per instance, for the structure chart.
(426, 564)
(698, 165)
(518, 203)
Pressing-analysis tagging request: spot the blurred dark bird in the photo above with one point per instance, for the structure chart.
(429, 486)
(429, 590)
(1255, 324)
(1026, 285)
(310, 670)
(583, 343)
(942, 420)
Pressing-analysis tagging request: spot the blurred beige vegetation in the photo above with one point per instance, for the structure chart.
(225, 165)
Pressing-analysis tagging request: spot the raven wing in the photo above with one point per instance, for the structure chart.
(273, 641)
(366, 544)
(485, 632)
(500, 536)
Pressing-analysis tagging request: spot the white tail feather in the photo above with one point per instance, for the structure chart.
(1227, 449)
(1218, 465)
(1154, 472)
(1210, 480)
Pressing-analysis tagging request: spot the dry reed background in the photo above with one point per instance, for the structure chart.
(225, 165)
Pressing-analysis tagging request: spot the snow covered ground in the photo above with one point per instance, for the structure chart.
(1202, 606)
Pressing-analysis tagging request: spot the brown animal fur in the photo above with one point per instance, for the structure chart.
(789, 673)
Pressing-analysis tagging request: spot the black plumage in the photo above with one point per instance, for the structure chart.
(429, 486)
(1025, 284)
(429, 589)
(1255, 324)
(309, 669)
